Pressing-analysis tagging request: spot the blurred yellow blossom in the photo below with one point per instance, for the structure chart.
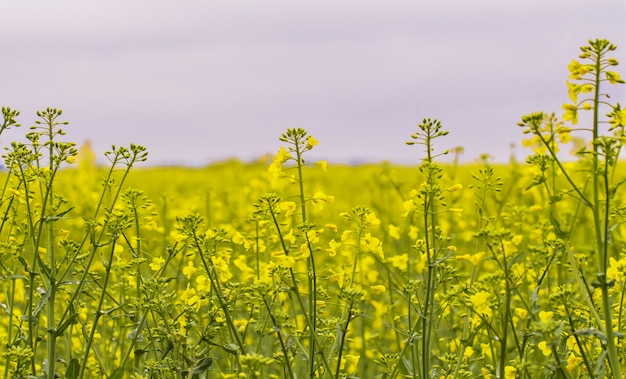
(510, 372)
(157, 263)
(311, 142)
(545, 349)
(394, 232)
(189, 270)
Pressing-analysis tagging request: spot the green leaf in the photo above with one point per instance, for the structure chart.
(593, 332)
(203, 365)
(23, 262)
(73, 369)
(118, 373)
(70, 321)
(60, 215)
(537, 182)
(560, 233)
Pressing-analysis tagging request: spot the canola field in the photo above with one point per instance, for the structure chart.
(291, 268)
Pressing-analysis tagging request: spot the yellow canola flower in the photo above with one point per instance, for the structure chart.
(399, 261)
(304, 251)
(339, 277)
(221, 266)
(573, 90)
(19, 195)
(320, 198)
(480, 302)
(332, 247)
(238, 238)
(373, 245)
(346, 236)
(283, 155)
(371, 219)
(571, 113)
(203, 284)
(521, 313)
(311, 142)
(394, 232)
(247, 273)
(408, 206)
(618, 118)
(474, 259)
(617, 269)
(71, 159)
(565, 137)
(528, 142)
(467, 353)
(332, 227)
(572, 345)
(455, 188)
(510, 372)
(563, 130)
(177, 236)
(189, 270)
(578, 70)
(190, 298)
(485, 349)
(118, 249)
(312, 237)
(457, 211)
(573, 362)
(351, 362)
(290, 237)
(182, 324)
(275, 167)
(288, 207)
(545, 349)
(322, 164)
(284, 260)
(240, 263)
(546, 316)
(613, 77)
(157, 263)
(378, 289)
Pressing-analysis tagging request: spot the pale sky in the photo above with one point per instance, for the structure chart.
(198, 81)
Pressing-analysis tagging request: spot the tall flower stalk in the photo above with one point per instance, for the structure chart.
(589, 80)
(298, 143)
(427, 197)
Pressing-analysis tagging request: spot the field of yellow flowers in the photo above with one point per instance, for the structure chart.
(288, 268)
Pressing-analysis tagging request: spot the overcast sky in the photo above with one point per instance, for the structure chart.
(198, 81)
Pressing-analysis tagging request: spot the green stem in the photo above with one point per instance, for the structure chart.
(296, 291)
(507, 312)
(601, 233)
(342, 338)
(52, 331)
(277, 328)
(426, 314)
(311, 275)
(98, 313)
(11, 302)
(216, 288)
